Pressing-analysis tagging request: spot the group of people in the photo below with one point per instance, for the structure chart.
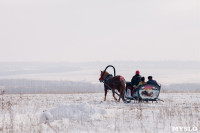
(137, 80)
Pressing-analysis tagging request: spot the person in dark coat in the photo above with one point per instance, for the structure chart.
(151, 81)
(136, 78)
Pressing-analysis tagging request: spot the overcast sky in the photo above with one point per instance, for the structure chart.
(99, 30)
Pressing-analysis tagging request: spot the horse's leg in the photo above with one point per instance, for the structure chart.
(105, 89)
(122, 89)
(138, 99)
(105, 94)
(119, 99)
(114, 95)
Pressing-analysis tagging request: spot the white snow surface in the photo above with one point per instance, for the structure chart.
(72, 113)
(77, 111)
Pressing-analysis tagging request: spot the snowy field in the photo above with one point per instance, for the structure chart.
(62, 113)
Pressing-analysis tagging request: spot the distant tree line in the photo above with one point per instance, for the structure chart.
(15, 86)
(24, 86)
(182, 88)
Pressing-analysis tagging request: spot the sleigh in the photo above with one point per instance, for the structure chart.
(147, 92)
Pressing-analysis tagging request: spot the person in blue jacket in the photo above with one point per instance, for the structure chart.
(151, 81)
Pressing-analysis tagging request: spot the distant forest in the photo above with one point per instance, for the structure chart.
(24, 86)
(17, 86)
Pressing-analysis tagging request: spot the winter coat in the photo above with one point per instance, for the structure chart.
(153, 82)
(136, 79)
(141, 83)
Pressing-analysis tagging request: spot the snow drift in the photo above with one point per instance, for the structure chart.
(79, 111)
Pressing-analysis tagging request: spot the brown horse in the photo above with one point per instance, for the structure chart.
(116, 83)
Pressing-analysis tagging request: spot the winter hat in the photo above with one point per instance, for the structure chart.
(137, 72)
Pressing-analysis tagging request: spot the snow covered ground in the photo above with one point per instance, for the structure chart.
(61, 113)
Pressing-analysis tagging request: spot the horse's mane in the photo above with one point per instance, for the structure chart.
(105, 74)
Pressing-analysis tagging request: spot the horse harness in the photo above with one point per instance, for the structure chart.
(106, 80)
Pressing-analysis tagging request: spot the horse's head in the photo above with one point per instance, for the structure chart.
(103, 75)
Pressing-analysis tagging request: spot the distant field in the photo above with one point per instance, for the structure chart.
(89, 113)
(165, 72)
